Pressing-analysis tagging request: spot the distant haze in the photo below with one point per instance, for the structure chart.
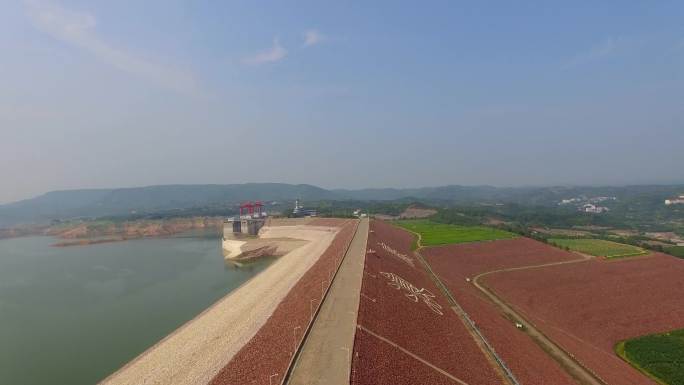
(339, 95)
(217, 200)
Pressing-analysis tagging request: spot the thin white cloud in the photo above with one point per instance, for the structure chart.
(274, 54)
(78, 29)
(606, 48)
(313, 37)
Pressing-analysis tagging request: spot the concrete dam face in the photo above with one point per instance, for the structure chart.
(247, 226)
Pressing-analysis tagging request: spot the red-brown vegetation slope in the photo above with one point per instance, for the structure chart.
(588, 307)
(407, 333)
(470, 259)
(454, 263)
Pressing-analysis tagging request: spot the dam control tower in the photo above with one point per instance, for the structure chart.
(251, 219)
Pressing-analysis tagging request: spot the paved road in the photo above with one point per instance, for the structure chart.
(325, 358)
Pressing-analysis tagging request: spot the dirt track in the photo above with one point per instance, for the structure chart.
(575, 369)
(457, 264)
(587, 308)
(489, 261)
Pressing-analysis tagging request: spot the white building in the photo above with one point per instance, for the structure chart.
(675, 201)
(601, 199)
(590, 208)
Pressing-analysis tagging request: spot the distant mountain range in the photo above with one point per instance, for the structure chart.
(123, 201)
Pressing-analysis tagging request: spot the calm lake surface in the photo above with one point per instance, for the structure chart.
(73, 315)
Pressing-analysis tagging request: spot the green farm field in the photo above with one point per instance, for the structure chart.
(677, 251)
(435, 234)
(599, 247)
(659, 356)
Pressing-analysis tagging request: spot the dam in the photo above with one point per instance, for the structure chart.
(250, 220)
(197, 352)
(253, 234)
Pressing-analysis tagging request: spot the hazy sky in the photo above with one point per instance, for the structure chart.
(339, 93)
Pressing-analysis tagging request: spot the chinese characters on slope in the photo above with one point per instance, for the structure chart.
(397, 254)
(413, 292)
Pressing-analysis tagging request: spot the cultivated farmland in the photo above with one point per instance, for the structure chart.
(433, 233)
(454, 264)
(658, 355)
(599, 247)
(677, 251)
(588, 307)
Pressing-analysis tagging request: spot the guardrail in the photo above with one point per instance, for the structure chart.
(490, 349)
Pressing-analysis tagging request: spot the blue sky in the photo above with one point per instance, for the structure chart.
(339, 94)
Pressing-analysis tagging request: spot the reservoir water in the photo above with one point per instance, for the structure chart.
(73, 315)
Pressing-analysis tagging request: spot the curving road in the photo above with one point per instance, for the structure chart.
(575, 369)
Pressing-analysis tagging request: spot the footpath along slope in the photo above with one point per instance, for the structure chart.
(407, 333)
